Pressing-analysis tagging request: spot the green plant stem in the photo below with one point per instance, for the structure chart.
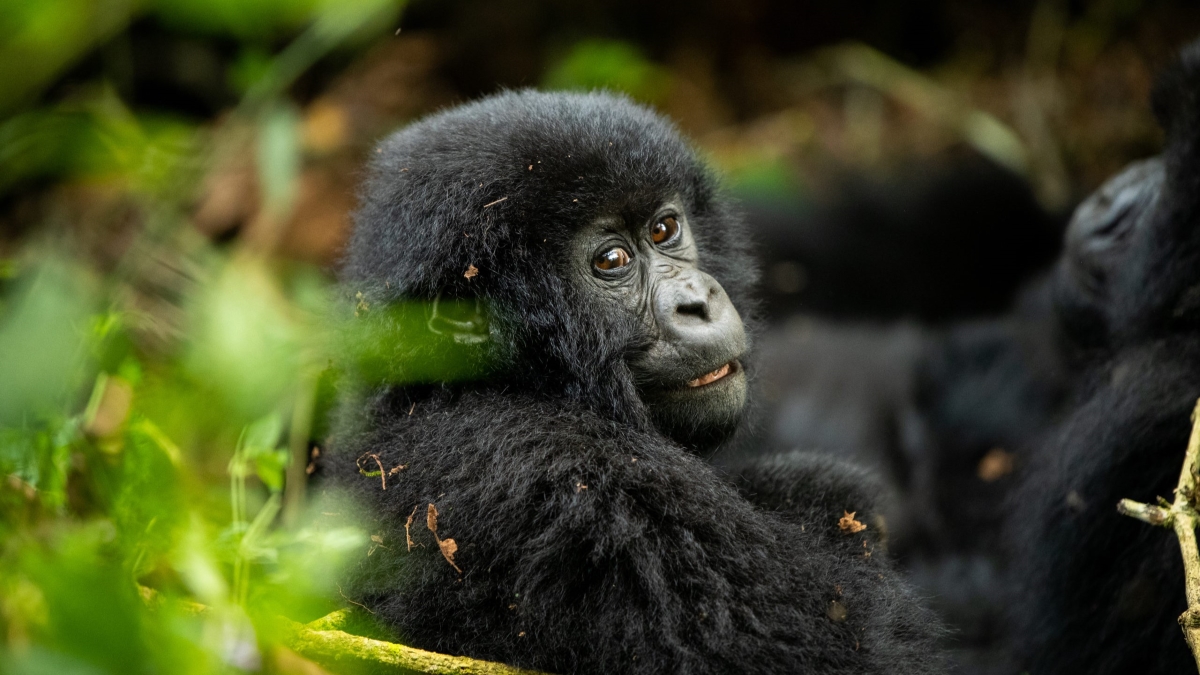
(297, 475)
(1181, 516)
(316, 641)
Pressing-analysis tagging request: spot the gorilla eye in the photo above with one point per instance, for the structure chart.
(664, 230)
(612, 259)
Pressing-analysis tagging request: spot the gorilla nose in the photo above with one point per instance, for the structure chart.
(693, 310)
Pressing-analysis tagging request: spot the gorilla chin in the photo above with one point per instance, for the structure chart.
(703, 411)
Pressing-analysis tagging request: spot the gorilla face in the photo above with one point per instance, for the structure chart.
(689, 373)
(1101, 228)
(1104, 253)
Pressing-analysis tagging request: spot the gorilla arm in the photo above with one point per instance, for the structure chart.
(575, 533)
(818, 490)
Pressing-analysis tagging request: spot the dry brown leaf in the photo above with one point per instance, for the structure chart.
(431, 515)
(449, 547)
(471, 273)
(848, 524)
(996, 464)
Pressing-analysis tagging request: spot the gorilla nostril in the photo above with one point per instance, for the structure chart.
(696, 309)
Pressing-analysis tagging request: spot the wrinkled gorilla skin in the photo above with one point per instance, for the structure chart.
(589, 541)
(1098, 592)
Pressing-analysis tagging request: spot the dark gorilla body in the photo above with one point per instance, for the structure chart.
(924, 407)
(591, 535)
(1089, 382)
(1107, 585)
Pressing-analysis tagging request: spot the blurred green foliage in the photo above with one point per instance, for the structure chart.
(154, 436)
(609, 64)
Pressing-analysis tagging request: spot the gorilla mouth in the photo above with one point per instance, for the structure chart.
(709, 378)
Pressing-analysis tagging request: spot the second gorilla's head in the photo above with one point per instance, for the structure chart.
(611, 270)
(1131, 264)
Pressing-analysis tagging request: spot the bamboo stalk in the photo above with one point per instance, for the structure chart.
(1181, 515)
(322, 643)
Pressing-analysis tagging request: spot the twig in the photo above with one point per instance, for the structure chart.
(318, 642)
(1181, 515)
(323, 641)
(371, 474)
(342, 617)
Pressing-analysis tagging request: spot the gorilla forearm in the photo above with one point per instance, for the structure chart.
(576, 534)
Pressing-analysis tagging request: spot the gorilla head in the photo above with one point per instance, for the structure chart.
(1131, 268)
(610, 269)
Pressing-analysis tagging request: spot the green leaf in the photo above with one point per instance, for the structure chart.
(609, 64)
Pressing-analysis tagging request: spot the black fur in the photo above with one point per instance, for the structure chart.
(588, 541)
(1099, 592)
(924, 406)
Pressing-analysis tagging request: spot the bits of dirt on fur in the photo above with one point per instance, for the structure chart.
(397, 469)
(408, 525)
(837, 612)
(996, 464)
(471, 273)
(376, 543)
(431, 514)
(490, 204)
(371, 474)
(448, 547)
(580, 487)
(848, 524)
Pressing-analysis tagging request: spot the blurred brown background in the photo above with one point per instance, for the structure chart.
(805, 106)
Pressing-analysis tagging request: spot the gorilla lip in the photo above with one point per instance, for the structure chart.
(709, 378)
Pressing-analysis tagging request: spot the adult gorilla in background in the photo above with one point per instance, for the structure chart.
(1089, 383)
(589, 535)
(1099, 592)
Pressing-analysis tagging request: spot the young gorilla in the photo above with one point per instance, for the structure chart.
(591, 536)
(1100, 592)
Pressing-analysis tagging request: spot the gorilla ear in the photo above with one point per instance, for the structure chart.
(463, 320)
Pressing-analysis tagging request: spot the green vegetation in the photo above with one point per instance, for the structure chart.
(156, 409)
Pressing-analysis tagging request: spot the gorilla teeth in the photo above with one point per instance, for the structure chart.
(710, 377)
